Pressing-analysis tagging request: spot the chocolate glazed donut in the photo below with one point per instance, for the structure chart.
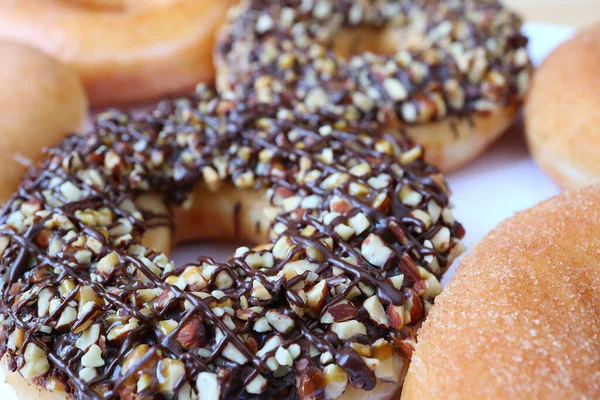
(360, 233)
(449, 74)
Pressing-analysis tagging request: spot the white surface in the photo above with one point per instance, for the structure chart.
(501, 182)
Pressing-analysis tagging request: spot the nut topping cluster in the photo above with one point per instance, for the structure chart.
(446, 57)
(362, 235)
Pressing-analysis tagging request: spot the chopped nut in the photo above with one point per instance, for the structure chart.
(270, 344)
(315, 296)
(93, 357)
(169, 373)
(167, 326)
(192, 334)
(410, 197)
(67, 317)
(36, 362)
(346, 330)
(89, 337)
(279, 321)
(396, 315)
(441, 240)
(208, 387)
(375, 251)
(359, 223)
(262, 325)
(376, 311)
(390, 366)
(284, 357)
(282, 248)
(337, 380)
(257, 385)
(343, 311)
(87, 374)
(44, 302)
(259, 291)
(107, 264)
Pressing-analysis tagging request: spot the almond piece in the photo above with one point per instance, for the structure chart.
(359, 223)
(36, 362)
(375, 251)
(259, 291)
(282, 248)
(390, 364)
(93, 357)
(343, 312)
(346, 330)
(192, 334)
(413, 307)
(169, 374)
(208, 386)
(376, 311)
(336, 379)
(257, 385)
(280, 321)
(89, 337)
(396, 315)
(340, 205)
(316, 295)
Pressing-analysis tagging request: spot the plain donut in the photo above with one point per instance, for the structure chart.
(41, 101)
(124, 51)
(520, 318)
(561, 114)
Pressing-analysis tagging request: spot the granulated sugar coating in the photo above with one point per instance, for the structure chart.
(521, 317)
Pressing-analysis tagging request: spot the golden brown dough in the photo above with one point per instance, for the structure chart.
(40, 102)
(520, 319)
(124, 51)
(562, 118)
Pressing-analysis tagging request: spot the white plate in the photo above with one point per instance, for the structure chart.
(501, 182)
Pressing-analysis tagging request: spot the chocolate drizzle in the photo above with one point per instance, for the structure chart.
(346, 193)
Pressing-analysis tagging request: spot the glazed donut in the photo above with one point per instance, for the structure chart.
(562, 112)
(449, 74)
(357, 231)
(519, 319)
(41, 101)
(125, 51)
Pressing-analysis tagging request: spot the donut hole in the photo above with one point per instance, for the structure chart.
(228, 217)
(385, 41)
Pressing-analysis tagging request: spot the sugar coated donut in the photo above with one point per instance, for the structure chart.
(519, 319)
(450, 74)
(41, 101)
(561, 114)
(124, 50)
(357, 231)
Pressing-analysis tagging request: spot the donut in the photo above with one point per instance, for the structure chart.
(451, 75)
(124, 51)
(41, 101)
(519, 319)
(561, 116)
(355, 227)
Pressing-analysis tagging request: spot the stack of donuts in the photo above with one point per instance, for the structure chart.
(321, 148)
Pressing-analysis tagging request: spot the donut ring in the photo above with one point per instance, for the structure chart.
(450, 75)
(522, 309)
(561, 113)
(360, 236)
(125, 51)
